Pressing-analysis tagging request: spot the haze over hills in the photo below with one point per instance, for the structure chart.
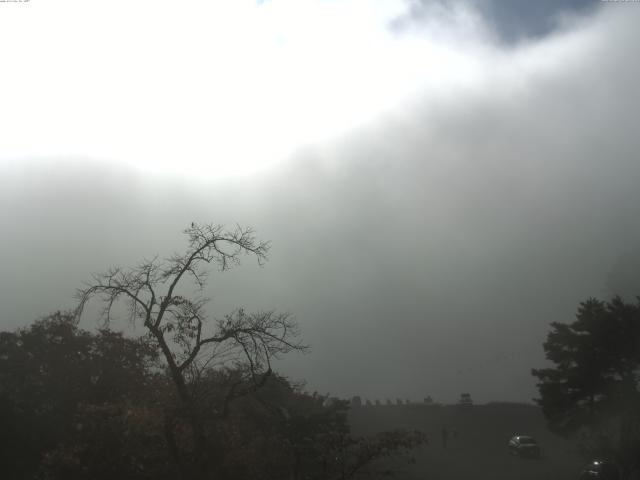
(417, 199)
(424, 249)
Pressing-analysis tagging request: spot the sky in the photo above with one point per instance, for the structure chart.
(439, 180)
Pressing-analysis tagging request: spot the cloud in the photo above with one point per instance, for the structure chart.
(455, 231)
(424, 252)
(178, 90)
(509, 23)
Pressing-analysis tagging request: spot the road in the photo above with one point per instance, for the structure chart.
(480, 449)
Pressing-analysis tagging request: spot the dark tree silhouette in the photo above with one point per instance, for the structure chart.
(592, 389)
(192, 397)
(154, 292)
(48, 372)
(80, 405)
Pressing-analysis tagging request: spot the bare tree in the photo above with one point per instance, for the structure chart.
(189, 340)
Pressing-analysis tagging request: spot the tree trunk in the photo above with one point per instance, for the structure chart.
(190, 409)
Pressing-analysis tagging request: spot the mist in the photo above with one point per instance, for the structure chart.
(424, 249)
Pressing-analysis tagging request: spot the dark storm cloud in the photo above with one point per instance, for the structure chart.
(516, 20)
(512, 21)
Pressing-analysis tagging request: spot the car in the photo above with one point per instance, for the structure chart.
(601, 470)
(524, 446)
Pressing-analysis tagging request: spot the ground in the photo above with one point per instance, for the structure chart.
(480, 449)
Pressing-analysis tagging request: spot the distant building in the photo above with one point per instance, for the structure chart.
(428, 400)
(356, 401)
(465, 400)
(377, 402)
(368, 402)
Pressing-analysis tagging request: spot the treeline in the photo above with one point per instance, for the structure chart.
(87, 405)
(192, 397)
(196, 397)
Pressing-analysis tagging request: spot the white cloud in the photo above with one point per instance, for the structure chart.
(483, 208)
(211, 88)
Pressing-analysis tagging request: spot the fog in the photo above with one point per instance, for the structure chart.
(423, 250)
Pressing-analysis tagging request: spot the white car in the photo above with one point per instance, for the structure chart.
(524, 446)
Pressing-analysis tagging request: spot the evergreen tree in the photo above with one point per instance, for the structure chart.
(593, 388)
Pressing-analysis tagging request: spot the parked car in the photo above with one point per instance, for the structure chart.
(601, 470)
(524, 446)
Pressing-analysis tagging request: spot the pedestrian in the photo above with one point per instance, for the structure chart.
(445, 436)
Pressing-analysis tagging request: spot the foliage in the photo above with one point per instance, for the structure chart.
(193, 397)
(48, 371)
(280, 431)
(593, 389)
(189, 340)
(90, 406)
(111, 440)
